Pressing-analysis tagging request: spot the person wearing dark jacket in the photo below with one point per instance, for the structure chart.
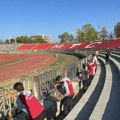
(84, 76)
(107, 55)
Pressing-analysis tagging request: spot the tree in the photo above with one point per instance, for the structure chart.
(6, 41)
(103, 34)
(117, 30)
(81, 35)
(90, 33)
(87, 33)
(71, 38)
(64, 38)
(26, 39)
(12, 40)
(22, 39)
(39, 39)
(111, 35)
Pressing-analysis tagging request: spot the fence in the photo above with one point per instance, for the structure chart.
(37, 84)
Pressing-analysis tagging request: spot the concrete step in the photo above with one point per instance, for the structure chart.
(79, 112)
(104, 97)
(108, 105)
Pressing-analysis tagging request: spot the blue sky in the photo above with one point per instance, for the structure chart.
(54, 17)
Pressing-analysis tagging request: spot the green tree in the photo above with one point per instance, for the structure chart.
(90, 33)
(64, 38)
(80, 36)
(87, 33)
(39, 39)
(22, 39)
(10, 41)
(111, 35)
(117, 30)
(6, 41)
(103, 34)
(71, 38)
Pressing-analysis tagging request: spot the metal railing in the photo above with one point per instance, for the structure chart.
(36, 84)
(40, 82)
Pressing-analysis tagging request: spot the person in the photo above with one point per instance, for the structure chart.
(30, 106)
(94, 61)
(91, 71)
(50, 106)
(79, 76)
(60, 87)
(97, 53)
(107, 55)
(84, 76)
(68, 95)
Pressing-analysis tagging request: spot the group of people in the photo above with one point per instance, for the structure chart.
(32, 109)
(88, 71)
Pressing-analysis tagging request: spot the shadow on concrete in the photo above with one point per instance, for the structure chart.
(88, 108)
(112, 111)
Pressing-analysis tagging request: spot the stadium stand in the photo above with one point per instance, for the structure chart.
(101, 100)
(116, 52)
(84, 107)
(103, 44)
(42, 46)
(113, 44)
(106, 106)
(26, 46)
(6, 48)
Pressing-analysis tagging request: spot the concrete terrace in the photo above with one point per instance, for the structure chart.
(101, 100)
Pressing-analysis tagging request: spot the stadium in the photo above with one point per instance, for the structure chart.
(37, 65)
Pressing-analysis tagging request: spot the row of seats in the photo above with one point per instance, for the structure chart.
(104, 44)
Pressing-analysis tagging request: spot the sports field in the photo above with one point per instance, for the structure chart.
(15, 65)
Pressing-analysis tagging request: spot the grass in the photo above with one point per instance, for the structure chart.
(63, 60)
(60, 60)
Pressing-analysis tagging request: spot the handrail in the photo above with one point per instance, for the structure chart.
(43, 81)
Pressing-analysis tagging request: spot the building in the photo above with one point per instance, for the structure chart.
(47, 38)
